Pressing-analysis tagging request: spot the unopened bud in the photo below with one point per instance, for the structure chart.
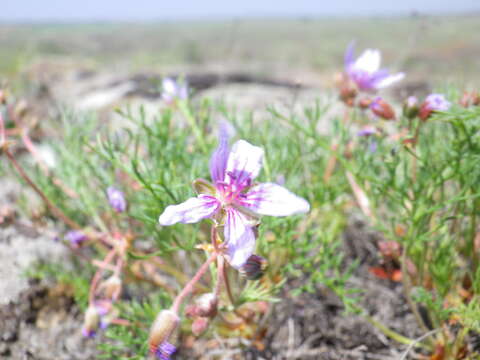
(163, 327)
(91, 322)
(116, 198)
(254, 268)
(75, 237)
(410, 107)
(111, 288)
(347, 89)
(382, 109)
(3, 97)
(433, 103)
(200, 325)
(206, 305)
(364, 103)
(470, 98)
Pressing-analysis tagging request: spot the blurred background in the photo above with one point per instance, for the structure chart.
(65, 50)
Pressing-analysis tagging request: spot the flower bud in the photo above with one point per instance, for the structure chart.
(3, 97)
(116, 198)
(164, 325)
(206, 305)
(110, 289)
(347, 89)
(382, 109)
(200, 325)
(364, 103)
(164, 351)
(367, 130)
(75, 237)
(470, 98)
(410, 107)
(91, 322)
(254, 268)
(433, 103)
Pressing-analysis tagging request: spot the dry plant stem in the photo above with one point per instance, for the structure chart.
(55, 210)
(360, 196)
(332, 161)
(416, 341)
(191, 284)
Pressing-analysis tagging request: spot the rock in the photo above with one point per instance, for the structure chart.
(18, 253)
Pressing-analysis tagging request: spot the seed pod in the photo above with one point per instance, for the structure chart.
(164, 325)
(382, 109)
(254, 268)
(111, 288)
(91, 322)
(410, 107)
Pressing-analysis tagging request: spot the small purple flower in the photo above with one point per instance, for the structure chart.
(75, 237)
(437, 102)
(433, 103)
(365, 71)
(173, 90)
(234, 200)
(367, 131)
(165, 350)
(116, 198)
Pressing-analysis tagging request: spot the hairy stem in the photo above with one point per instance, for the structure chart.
(191, 284)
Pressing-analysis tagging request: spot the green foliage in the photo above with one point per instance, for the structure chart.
(79, 281)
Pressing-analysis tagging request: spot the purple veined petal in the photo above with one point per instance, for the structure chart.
(389, 80)
(369, 61)
(274, 200)
(244, 163)
(218, 161)
(190, 211)
(348, 57)
(239, 237)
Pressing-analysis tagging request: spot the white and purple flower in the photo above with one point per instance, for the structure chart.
(433, 103)
(365, 71)
(234, 200)
(173, 89)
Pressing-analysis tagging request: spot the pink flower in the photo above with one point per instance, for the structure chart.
(234, 200)
(365, 71)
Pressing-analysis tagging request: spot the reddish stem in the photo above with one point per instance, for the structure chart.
(190, 285)
(98, 274)
(55, 210)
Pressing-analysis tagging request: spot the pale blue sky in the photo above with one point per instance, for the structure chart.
(68, 10)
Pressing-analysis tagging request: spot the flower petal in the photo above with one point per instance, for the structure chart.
(348, 58)
(244, 162)
(218, 161)
(274, 200)
(389, 80)
(190, 211)
(369, 61)
(240, 238)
